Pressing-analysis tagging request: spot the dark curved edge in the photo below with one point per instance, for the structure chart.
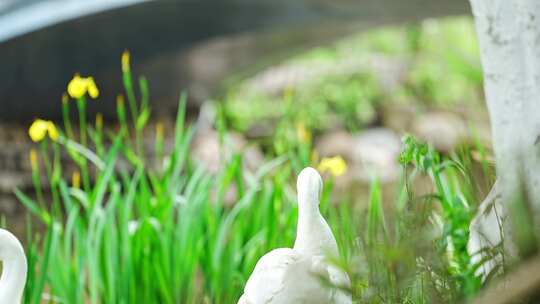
(35, 68)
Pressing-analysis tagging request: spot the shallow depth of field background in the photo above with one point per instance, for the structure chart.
(173, 196)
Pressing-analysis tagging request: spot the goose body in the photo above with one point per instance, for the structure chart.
(295, 275)
(14, 268)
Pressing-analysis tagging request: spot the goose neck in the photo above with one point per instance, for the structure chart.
(310, 230)
(14, 269)
(308, 211)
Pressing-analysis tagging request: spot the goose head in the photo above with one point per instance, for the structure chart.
(309, 187)
(313, 235)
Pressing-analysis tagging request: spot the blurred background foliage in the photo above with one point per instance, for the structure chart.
(434, 63)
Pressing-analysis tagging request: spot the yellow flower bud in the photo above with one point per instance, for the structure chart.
(335, 165)
(76, 179)
(159, 130)
(33, 159)
(99, 120)
(314, 156)
(125, 61)
(65, 98)
(303, 134)
(120, 101)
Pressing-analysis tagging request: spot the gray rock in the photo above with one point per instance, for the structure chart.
(390, 72)
(335, 143)
(208, 152)
(10, 180)
(375, 153)
(445, 130)
(398, 116)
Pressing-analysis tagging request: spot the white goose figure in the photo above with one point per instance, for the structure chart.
(288, 275)
(14, 268)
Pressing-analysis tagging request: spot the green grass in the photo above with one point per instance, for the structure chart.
(137, 233)
(148, 225)
(162, 235)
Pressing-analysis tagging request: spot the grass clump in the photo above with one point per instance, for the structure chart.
(415, 250)
(121, 229)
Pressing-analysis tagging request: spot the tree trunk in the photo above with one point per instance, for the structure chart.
(509, 37)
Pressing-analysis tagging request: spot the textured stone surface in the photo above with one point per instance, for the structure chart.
(376, 154)
(207, 150)
(445, 130)
(373, 152)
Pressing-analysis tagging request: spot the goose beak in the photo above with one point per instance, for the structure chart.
(309, 185)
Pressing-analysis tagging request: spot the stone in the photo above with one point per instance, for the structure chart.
(390, 72)
(207, 151)
(398, 116)
(375, 153)
(334, 143)
(444, 130)
(11, 180)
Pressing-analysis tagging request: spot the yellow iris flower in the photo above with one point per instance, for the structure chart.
(79, 86)
(40, 128)
(335, 165)
(92, 88)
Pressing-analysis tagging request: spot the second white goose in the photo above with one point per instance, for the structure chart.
(288, 275)
(14, 268)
